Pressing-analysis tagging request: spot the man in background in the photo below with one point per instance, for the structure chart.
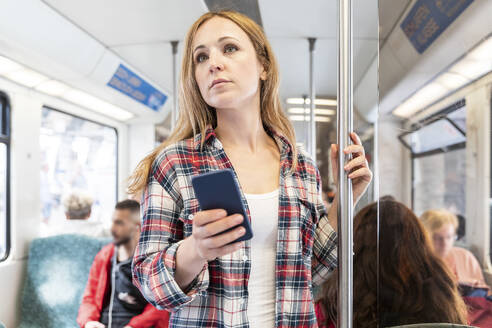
(110, 298)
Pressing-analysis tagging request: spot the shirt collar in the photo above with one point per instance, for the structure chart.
(210, 137)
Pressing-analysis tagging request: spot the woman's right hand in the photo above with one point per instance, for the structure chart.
(209, 242)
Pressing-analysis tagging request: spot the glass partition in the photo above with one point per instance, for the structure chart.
(434, 161)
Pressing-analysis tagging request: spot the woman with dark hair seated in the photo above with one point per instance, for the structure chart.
(414, 284)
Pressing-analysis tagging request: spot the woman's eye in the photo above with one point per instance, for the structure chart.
(230, 48)
(200, 58)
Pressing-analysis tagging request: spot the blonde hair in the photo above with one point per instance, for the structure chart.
(435, 219)
(195, 114)
(78, 205)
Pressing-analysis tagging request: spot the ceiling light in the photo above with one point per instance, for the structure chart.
(471, 68)
(30, 79)
(26, 77)
(53, 88)
(317, 101)
(297, 117)
(475, 64)
(322, 119)
(482, 52)
(7, 65)
(317, 111)
(296, 101)
(420, 99)
(452, 80)
(325, 102)
(307, 118)
(97, 105)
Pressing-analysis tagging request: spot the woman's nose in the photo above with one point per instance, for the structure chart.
(216, 68)
(215, 63)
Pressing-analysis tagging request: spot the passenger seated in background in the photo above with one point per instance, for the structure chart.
(442, 225)
(78, 207)
(415, 286)
(121, 301)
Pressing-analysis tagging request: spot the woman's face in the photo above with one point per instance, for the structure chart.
(227, 69)
(443, 239)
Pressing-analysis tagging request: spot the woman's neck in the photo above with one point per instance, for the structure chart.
(241, 128)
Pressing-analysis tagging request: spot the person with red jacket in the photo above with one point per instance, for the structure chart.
(110, 299)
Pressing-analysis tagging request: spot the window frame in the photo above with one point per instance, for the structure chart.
(442, 114)
(5, 138)
(98, 123)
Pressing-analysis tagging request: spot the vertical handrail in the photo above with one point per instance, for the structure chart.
(345, 126)
(306, 124)
(174, 112)
(312, 96)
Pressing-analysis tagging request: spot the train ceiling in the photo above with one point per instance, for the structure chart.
(80, 42)
(140, 32)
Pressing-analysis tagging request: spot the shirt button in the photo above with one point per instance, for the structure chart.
(245, 258)
(190, 217)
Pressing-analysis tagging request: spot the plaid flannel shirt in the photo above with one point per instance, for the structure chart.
(306, 243)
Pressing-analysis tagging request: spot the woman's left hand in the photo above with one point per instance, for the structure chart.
(357, 168)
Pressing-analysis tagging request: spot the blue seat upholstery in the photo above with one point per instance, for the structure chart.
(57, 272)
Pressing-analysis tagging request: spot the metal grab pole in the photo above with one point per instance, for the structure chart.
(306, 123)
(345, 126)
(312, 121)
(174, 112)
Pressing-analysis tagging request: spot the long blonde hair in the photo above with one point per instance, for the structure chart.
(195, 114)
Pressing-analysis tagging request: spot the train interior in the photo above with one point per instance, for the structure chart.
(87, 89)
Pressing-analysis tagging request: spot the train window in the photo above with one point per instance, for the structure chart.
(439, 181)
(4, 177)
(438, 147)
(458, 117)
(437, 135)
(77, 155)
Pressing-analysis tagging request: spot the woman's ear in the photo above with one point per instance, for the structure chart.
(263, 75)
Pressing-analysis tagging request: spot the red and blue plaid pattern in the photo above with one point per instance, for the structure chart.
(306, 243)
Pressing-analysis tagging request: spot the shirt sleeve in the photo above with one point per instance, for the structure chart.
(325, 250)
(154, 262)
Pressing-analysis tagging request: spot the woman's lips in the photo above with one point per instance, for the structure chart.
(218, 82)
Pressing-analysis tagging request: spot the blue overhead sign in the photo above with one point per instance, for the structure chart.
(129, 83)
(429, 18)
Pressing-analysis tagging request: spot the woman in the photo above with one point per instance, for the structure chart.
(231, 118)
(414, 284)
(442, 226)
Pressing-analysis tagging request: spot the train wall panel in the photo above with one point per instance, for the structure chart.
(12, 274)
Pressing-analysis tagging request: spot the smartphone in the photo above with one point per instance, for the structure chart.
(219, 190)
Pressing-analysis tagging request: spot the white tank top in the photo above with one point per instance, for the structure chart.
(263, 209)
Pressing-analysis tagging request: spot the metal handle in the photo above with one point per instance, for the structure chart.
(345, 126)
(312, 96)
(174, 112)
